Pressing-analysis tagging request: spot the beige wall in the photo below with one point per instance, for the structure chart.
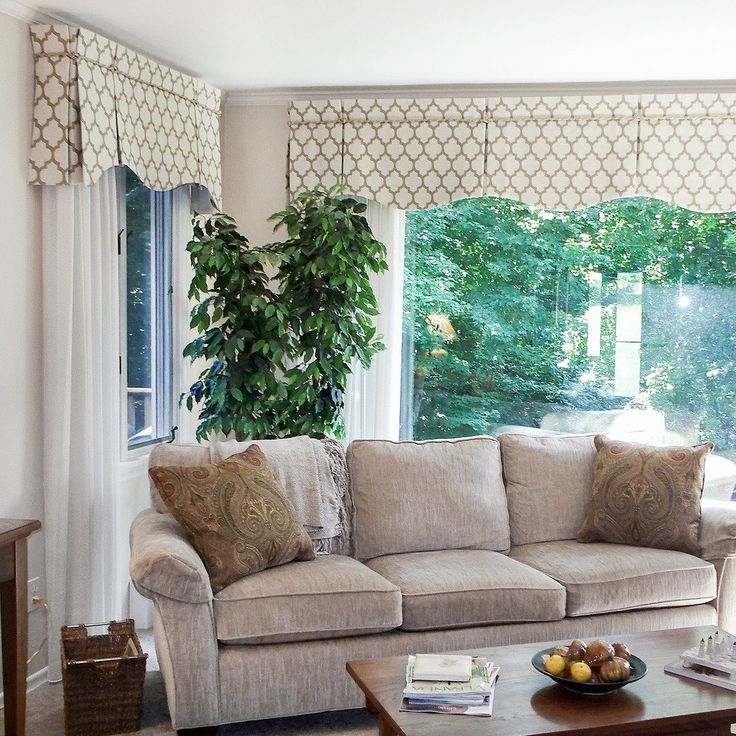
(21, 492)
(254, 145)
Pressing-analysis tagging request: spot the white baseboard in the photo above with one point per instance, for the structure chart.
(35, 680)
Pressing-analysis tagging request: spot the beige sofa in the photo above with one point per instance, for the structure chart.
(455, 545)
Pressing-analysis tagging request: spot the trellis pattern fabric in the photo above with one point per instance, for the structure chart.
(414, 153)
(98, 104)
(56, 136)
(97, 83)
(557, 152)
(561, 152)
(315, 144)
(688, 150)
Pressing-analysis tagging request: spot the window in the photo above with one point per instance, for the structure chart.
(529, 320)
(146, 363)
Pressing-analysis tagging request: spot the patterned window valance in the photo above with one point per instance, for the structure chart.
(407, 153)
(561, 152)
(688, 150)
(413, 152)
(315, 144)
(98, 104)
(558, 152)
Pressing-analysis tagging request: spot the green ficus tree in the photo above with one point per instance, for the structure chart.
(323, 277)
(279, 351)
(242, 333)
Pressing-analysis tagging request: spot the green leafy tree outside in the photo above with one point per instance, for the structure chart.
(497, 295)
(138, 276)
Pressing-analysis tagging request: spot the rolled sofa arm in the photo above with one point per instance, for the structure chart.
(718, 545)
(163, 561)
(167, 569)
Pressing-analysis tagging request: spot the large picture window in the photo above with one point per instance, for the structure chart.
(146, 359)
(520, 319)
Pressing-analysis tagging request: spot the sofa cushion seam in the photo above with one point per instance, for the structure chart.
(620, 579)
(485, 622)
(377, 628)
(457, 441)
(682, 602)
(316, 593)
(559, 589)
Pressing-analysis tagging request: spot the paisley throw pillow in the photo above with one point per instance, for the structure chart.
(236, 514)
(646, 496)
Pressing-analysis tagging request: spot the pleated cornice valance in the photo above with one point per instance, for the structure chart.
(557, 152)
(99, 104)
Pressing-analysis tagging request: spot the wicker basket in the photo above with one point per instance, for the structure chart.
(103, 690)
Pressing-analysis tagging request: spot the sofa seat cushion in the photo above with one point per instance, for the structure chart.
(469, 587)
(324, 598)
(603, 578)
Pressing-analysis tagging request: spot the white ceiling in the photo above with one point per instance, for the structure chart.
(263, 44)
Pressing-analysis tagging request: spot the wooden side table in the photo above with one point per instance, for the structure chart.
(14, 535)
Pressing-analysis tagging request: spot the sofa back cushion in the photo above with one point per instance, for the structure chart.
(424, 496)
(169, 455)
(549, 482)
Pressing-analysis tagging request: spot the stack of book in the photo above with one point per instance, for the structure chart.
(713, 661)
(449, 684)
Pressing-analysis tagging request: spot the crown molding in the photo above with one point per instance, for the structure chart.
(26, 13)
(284, 95)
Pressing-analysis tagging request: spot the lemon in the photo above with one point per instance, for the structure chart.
(580, 672)
(555, 665)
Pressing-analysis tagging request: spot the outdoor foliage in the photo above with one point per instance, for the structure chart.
(497, 296)
(280, 350)
(138, 274)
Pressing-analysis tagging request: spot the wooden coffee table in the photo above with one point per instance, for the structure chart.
(528, 703)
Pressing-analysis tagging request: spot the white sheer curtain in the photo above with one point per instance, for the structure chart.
(185, 372)
(188, 201)
(373, 396)
(81, 405)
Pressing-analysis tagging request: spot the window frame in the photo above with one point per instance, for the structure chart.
(162, 364)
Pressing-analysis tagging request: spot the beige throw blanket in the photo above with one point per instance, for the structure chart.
(302, 465)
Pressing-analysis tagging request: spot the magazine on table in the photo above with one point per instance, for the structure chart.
(713, 661)
(472, 698)
(443, 667)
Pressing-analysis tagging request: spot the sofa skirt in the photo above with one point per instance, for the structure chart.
(276, 680)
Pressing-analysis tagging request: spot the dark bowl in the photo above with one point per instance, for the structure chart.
(638, 670)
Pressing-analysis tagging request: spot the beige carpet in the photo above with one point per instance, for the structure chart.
(46, 713)
(46, 717)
